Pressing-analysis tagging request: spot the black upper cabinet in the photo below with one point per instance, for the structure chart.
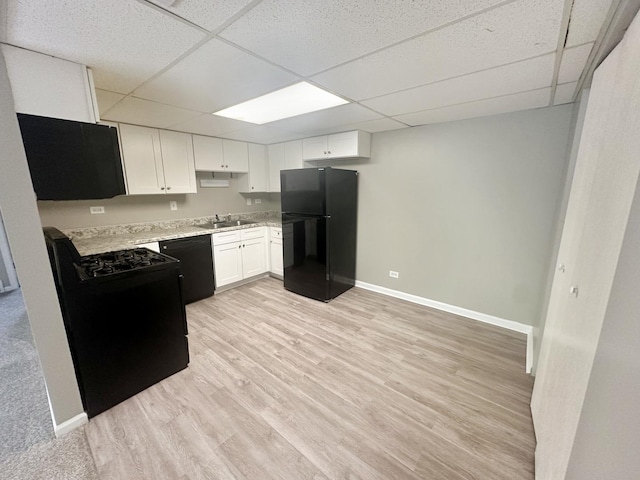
(71, 160)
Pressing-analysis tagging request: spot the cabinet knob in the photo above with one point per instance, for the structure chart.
(168, 188)
(226, 166)
(239, 246)
(221, 166)
(252, 188)
(325, 152)
(161, 188)
(574, 290)
(561, 267)
(329, 152)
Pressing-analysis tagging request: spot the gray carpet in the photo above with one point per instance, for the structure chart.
(28, 447)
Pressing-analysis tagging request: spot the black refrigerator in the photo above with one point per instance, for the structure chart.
(319, 226)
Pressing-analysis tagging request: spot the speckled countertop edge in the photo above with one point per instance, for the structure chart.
(93, 240)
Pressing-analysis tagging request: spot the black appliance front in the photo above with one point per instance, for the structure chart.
(305, 249)
(196, 264)
(319, 226)
(72, 160)
(124, 316)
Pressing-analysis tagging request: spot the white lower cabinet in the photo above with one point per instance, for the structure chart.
(239, 254)
(276, 265)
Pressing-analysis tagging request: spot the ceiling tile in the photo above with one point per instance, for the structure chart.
(262, 134)
(207, 124)
(517, 31)
(213, 77)
(587, 17)
(373, 126)
(564, 93)
(492, 106)
(207, 14)
(517, 77)
(107, 99)
(308, 37)
(331, 117)
(124, 42)
(143, 112)
(573, 62)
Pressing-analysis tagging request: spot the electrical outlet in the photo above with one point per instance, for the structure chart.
(96, 210)
(393, 274)
(173, 205)
(248, 201)
(258, 200)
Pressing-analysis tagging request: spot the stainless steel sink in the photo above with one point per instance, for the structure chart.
(242, 222)
(216, 225)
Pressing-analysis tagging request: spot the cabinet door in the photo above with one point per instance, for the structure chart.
(257, 168)
(293, 155)
(177, 160)
(142, 159)
(253, 257)
(208, 153)
(228, 263)
(276, 163)
(236, 156)
(275, 254)
(342, 145)
(314, 148)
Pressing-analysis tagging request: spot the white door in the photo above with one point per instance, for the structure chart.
(228, 263)
(275, 254)
(178, 163)
(142, 159)
(606, 176)
(253, 257)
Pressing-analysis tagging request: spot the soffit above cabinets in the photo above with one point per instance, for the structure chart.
(400, 64)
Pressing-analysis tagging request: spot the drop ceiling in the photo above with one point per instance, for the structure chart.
(400, 63)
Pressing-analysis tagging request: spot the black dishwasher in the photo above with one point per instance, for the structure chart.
(196, 264)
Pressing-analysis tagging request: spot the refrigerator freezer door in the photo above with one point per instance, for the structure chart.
(303, 191)
(306, 269)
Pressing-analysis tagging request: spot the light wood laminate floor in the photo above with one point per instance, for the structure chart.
(281, 387)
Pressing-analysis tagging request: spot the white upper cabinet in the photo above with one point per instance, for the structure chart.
(256, 180)
(236, 156)
(293, 155)
(208, 153)
(275, 154)
(178, 162)
(157, 161)
(220, 155)
(50, 87)
(339, 145)
(283, 156)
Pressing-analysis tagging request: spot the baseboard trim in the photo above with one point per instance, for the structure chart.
(464, 312)
(71, 424)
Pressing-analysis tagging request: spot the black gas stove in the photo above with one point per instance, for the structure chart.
(125, 318)
(110, 263)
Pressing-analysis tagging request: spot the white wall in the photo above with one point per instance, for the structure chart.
(465, 211)
(22, 224)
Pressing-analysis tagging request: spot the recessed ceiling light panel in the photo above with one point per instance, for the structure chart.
(287, 102)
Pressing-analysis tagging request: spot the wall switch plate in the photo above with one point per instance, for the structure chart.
(393, 274)
(258, 200)
(96, 210)
(173, 205)
(248, 201)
